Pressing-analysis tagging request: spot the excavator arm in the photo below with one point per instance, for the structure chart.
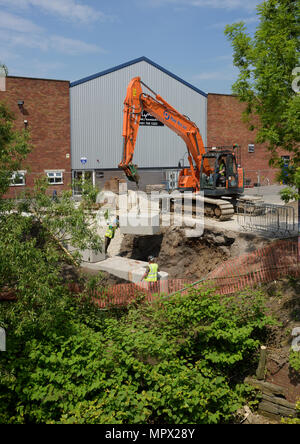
(135, 102)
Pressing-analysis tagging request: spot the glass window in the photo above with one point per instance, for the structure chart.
(55, 178)
(286, 160)
(231, 166)
(18, 179)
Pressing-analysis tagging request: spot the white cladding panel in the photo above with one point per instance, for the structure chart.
(97, 119)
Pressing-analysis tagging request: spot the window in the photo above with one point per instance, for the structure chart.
(251, 148)
(99, 175)
(286, 160)
(231, 166)
(18, 179)
(55, 177)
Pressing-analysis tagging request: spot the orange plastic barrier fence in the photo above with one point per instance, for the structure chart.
(264, 265)
(124, 294)
(275, 261)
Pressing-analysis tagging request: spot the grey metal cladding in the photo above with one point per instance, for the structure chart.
(97, 119)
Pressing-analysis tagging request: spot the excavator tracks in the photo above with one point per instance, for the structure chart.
(214, 208)
(218, 208)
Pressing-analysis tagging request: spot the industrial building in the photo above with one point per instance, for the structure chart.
(97, 123)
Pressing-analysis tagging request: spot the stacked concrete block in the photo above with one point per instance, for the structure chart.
(138, 214)
(143, 224)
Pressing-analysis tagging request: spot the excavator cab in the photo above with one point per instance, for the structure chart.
(225, 177)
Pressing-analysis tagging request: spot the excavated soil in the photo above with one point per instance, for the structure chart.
(190, 258)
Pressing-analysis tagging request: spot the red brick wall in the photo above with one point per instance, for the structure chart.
(225, 127)
(47, 110)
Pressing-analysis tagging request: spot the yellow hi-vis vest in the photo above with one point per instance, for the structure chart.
(152, 275)
(110, 232)
(222, 166)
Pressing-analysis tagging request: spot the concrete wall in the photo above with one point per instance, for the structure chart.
(47, 110)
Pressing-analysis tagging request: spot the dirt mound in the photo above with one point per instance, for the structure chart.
(179, 256)
(284, 304)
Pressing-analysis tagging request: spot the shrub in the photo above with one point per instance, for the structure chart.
(180, 361)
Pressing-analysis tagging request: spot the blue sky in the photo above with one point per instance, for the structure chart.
(71, 39)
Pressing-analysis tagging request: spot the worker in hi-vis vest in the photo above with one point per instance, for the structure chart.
(110, 233)
(221, 173)
(151, 275)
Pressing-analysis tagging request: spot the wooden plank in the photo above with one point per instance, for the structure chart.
(260, 372)
(279, 401)
(275, 409)
(266, 387)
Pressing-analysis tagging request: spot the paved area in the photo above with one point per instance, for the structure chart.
(270, 194)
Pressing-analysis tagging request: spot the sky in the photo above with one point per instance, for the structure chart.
(72, 39)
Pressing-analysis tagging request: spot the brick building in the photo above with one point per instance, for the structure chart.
(225, 127)
(43, 107)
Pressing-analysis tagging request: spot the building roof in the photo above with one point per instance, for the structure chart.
(132, 62)
(37, 78)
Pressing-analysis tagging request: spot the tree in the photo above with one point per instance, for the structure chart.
(3, 69)
(14, 147)
(35, 232)
(268, 84)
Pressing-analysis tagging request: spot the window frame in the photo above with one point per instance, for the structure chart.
(13, 177)
(56, 174)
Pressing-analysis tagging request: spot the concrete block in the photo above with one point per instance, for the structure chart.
(92, 256)
(88, 255)
(128, 269)
(143, 224)
(138, 200)
(107, 198)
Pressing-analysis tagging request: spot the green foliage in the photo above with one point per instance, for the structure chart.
(293, 420)
(14, 146)
(266, 63)
(295, 360)
(3, 69)
(32, 256)
(88, 192)
(292, 192)
(181, 361)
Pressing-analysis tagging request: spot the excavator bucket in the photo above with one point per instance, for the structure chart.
(132, 174)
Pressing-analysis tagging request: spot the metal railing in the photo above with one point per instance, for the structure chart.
(269, 218)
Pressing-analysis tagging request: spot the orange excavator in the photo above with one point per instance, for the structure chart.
(214, 171)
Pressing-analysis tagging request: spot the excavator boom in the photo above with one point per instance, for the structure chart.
(135, 103)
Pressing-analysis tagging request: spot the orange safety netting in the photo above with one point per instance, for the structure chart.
(273, 262)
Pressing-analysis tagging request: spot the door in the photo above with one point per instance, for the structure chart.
(231, 172)
(81, 177)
